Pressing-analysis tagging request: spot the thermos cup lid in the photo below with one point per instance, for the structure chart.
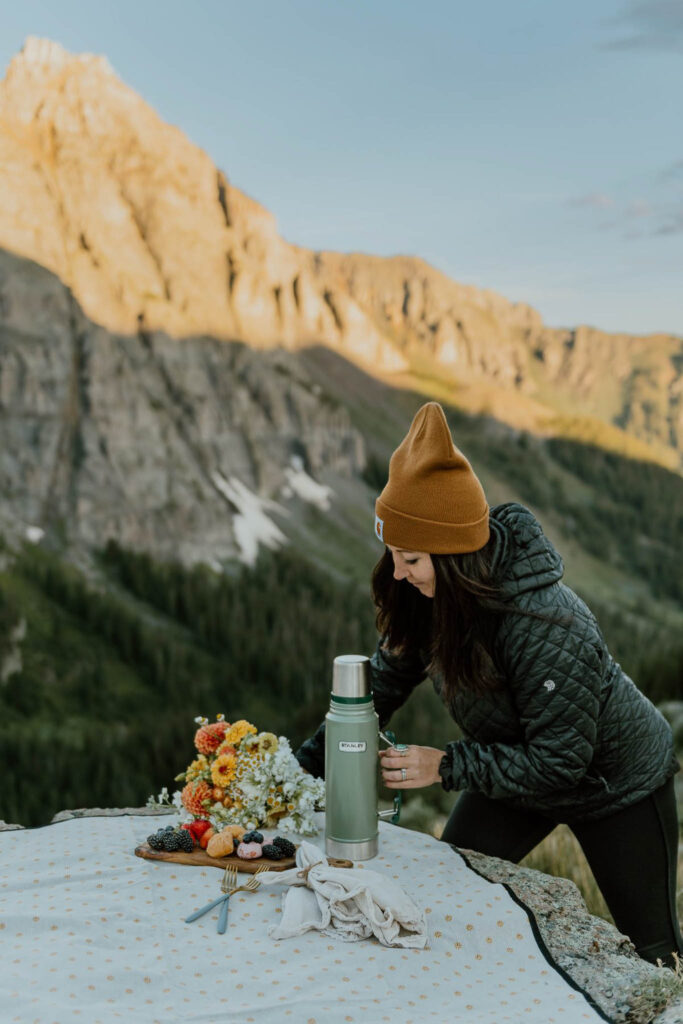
(351, 676)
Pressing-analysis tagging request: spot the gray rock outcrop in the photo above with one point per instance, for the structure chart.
(182, 447)
(601, 960)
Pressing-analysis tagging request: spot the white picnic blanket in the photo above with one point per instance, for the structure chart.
(345, 903)
(91, 934)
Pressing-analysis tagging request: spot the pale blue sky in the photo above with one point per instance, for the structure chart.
(532, 147)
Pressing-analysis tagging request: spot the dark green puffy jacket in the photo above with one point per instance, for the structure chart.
(568, 734)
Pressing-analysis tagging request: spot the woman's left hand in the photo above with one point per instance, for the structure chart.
(412, 769)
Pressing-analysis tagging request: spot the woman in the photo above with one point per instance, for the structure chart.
(553, 729)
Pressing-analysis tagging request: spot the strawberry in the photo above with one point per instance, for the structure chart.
(199, 827)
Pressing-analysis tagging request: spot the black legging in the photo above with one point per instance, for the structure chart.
(633, 855)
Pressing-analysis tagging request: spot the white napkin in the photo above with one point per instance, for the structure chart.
(345, 903)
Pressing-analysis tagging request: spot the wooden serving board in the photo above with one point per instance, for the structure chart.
(200, 858)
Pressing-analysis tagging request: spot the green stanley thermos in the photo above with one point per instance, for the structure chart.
(351, 763)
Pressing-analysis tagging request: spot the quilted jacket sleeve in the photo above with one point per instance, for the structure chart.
(554, 673)
(394, 677)
(311, 753)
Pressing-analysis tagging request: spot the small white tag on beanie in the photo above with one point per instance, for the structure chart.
(379, 527)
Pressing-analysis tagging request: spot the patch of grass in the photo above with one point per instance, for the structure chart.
(657, 992)
(561, 855)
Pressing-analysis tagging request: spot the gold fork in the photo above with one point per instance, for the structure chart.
(229, 880)
(228, 886)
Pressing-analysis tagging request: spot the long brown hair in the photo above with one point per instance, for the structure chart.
(456, 627)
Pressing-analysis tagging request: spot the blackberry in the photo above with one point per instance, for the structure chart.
(155, 841)
(252, 837)
(185, 841)
(170, 842)
(288, 849)
(272, 852)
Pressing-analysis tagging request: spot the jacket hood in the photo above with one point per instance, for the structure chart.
(523, 557)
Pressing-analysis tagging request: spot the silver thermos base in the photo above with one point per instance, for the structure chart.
(352, 851)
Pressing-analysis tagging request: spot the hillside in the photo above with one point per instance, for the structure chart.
(101, 675)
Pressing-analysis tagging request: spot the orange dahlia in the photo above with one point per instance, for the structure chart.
(209, 737)
(194, 795)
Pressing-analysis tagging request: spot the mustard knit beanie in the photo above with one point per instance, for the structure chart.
(433, 500)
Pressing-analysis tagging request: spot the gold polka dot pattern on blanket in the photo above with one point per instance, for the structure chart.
(93, 933)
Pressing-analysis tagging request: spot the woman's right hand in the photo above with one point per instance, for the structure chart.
(420, 764)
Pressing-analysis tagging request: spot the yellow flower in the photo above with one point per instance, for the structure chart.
(238, 730)
(196, 768)
(267, 743)
(223, 770)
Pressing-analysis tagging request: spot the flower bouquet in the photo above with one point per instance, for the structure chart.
(244, 777)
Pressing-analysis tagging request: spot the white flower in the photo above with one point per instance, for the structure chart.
(277, 773)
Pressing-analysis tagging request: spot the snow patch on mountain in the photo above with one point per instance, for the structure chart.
(251, 526)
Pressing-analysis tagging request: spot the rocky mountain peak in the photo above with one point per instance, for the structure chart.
(144, 229)
(41, 66)
(137, 281)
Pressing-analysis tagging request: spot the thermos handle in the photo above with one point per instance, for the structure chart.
(394, 812)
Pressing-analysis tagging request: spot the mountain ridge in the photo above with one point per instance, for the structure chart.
(146, 231)
(162, 382)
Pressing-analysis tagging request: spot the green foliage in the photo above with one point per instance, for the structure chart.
(9, 617)
(376, 473)
(102, 711)
(636, 517)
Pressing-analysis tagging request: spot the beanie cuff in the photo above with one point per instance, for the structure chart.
(436, 538)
